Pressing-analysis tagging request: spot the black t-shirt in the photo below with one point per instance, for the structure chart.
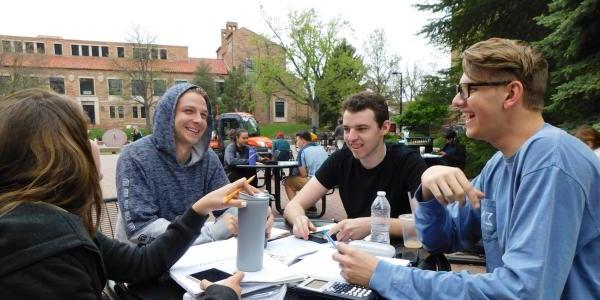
(398, 173)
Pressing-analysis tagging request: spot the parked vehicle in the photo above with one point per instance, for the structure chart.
(227, 122)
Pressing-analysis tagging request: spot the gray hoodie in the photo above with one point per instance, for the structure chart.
(153, 188)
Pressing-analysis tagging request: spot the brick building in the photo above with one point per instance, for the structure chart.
(93, 73)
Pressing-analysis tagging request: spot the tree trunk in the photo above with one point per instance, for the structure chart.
(315, 113)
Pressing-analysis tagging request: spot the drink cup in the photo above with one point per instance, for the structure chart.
(422, 150)
(409, 232)
(251, 234)
(252, 156)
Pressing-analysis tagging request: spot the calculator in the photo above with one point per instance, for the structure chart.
(332, 289)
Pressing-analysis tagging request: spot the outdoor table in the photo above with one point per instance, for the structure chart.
(167, 288)
(276, 175)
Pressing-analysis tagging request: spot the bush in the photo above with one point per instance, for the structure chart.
(96, 133)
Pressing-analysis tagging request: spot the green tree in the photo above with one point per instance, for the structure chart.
(465, 22)
(204, 78)
(574, 48)
(308, 44)
(342, 76)
(237, 91)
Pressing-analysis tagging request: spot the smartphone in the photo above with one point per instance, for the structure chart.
(212, 274)
(319, 237)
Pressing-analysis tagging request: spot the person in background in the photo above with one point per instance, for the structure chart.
(310, 158)
(590, 137)
(50, 190)
(136, 134)
(338, 135)
(535, 205)
(366, 165)
(161, 175)
(281, 147)
(238, 153)
(453, 153)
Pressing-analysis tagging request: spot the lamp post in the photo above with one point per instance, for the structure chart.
(401, 90)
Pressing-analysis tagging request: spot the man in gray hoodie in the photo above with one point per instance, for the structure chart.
(163, 174)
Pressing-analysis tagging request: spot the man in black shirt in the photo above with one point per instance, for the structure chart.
(365, 166)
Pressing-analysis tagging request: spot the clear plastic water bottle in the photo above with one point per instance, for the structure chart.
(380, 219)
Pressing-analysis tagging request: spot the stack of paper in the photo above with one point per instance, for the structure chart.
(222, 255)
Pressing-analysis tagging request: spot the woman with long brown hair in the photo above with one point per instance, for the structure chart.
(50, 201)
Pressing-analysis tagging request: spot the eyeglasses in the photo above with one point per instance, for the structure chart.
(464, 89)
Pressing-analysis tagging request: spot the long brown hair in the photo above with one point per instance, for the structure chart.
(45, 155)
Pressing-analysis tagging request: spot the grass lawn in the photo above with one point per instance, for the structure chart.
(269, 130)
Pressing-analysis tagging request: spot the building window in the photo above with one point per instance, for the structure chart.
(104, 51)
(90, 110)
(138, 88)
(180, 81)
(6, 46)
(86, 86)
(159, 87)
(154, 53)
(29, 47)
(138, 112)
(163, 53)
(85, 50)
(115, 87)
(279, 109)
(75, 50)
(57, 84)
(18, 46)
(117, 112)
(140, 53)
(95, 51)
(57, 49)
(40, 48)
(120, 52)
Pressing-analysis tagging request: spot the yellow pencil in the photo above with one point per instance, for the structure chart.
(236, 192)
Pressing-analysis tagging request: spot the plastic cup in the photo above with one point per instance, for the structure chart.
(252, 220)
(409, 232)
(252, 156)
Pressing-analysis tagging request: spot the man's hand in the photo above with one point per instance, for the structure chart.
(302, 227)
(269, 225)
(232, 282)
(447, 185)
(351, 229)
(231, 222)
(356, 266)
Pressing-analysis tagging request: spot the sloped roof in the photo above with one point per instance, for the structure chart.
(111, 64)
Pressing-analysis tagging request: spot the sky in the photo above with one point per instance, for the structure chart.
(197, 24)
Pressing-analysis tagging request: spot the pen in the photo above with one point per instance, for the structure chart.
(235, 193)
(328, 237)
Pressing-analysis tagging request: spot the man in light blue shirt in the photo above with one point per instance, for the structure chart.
(535, 205)
(310, 158)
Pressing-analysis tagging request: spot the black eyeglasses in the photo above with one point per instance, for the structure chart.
(464, 89)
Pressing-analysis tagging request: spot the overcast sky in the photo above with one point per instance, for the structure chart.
(197, 24)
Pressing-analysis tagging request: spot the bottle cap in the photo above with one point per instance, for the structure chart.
(381, 193)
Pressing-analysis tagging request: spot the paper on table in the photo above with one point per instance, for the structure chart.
(288, 249)
(273, 271)
(277, 232)
(321, 265)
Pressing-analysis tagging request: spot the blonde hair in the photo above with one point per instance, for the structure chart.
(499, 59)
(45, 156)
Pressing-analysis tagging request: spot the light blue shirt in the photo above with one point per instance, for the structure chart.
(539, 222)
(312, 157)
